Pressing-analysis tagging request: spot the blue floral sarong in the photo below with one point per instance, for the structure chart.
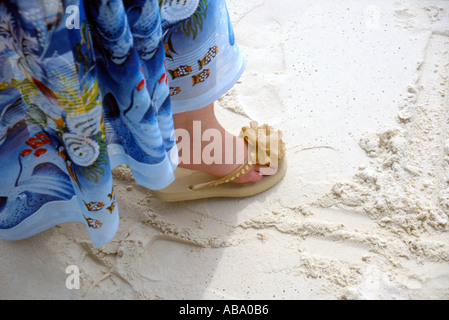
(86, 86)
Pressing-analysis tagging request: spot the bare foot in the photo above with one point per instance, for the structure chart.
(192, 125)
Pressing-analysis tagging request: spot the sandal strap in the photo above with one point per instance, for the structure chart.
(240, 172)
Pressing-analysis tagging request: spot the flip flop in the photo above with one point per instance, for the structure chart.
(194, 184)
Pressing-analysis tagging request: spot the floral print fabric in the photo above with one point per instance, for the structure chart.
(86, 86)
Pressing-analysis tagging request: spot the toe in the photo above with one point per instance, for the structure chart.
(266, 170)
(256, 174)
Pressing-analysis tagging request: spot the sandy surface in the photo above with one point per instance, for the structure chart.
(361, 93)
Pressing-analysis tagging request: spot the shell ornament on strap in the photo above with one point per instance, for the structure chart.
(265, 146)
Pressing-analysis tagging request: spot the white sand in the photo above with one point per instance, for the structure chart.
(361, 93)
